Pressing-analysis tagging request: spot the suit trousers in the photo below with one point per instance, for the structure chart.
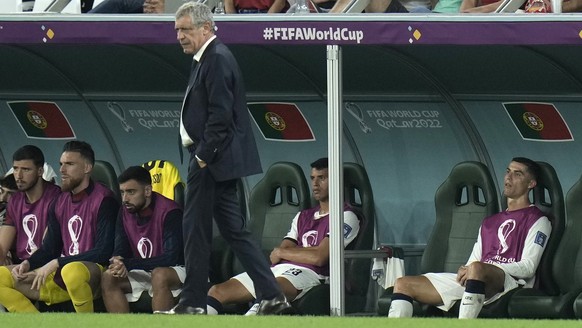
(206, 199)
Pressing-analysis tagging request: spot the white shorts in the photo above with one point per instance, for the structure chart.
(303, 279)
(141, 281)
(451, 291)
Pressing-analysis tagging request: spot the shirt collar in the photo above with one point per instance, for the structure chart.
(83, 193)
(200, 52)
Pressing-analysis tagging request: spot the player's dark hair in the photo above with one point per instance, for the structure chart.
(82, 148)
(137, 173)
(532, 167)
(29, 152)
(320, 164)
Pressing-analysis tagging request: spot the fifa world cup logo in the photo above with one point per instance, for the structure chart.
(505, 229)
(309, 238)
(145, 248)
(30, 225)
(75, 227)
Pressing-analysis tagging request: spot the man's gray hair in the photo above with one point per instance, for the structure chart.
(198, 12)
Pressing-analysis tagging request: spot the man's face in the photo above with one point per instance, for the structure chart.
(26, 174)
(190, 36)
(73, 170)
(134, 196)
(320, 184)
(5, 194)
(517, 181)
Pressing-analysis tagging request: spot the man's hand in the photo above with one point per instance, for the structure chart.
(43, 272)
(201, 163)
(20, 272)
(462, 275)
(117, 267)
(275, 255)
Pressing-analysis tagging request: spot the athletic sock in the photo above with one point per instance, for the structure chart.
(473, 298)
(213, 306)
(13, 300)
(401, 306)
(76, 277)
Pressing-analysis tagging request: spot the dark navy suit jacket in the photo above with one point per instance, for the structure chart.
(216, 117)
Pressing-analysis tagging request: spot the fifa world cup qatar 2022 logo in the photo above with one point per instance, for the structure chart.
(30, 226)
(145, 248)
(75, 225)
(503, 232)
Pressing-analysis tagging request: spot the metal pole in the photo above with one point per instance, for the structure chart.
(334, 134)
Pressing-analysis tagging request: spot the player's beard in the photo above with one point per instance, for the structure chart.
(70, 183)
(24, 187)
(130, 207)
(134, 207)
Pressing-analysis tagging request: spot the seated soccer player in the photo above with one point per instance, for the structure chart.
(148, 254)
(48, 173)
(302, 260)
(506, 255)
(7, 189)
(78, 242)
(28, 207)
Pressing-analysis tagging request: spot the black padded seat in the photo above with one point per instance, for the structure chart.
(547, 195)
(571, 243)
(273, 203)
(462, 201)
(104, 173)
(561, 282)
(358, 194)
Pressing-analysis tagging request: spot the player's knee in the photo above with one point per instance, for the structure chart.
(476, 270)
(6, 279)
(107, 278)
(75, 273)
(161, 278)
(400, 285)
(217, 291)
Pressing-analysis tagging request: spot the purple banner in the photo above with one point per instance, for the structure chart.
(301, 32)
(400, 33)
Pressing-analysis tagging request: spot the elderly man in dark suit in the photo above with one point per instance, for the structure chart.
(215, 128)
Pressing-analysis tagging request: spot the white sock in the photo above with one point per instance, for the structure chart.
(400, 309)
(210, 310)
(471, 305)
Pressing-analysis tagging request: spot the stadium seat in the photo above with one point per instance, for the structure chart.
(462, 201)
(274, 201)
(104, 173)
(355, 6)
(559, 281)
(358, 194)
(166, 179)
(58, 6)
(95, 4)
(221, 257)
(509, 6)
(548, 197)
